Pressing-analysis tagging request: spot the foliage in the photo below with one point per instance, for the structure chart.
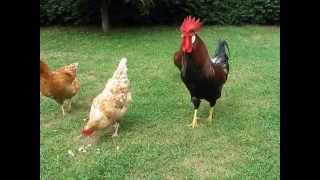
(161, 11)
(227, 11)
(68, 12)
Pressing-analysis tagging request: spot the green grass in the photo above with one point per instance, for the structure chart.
(154, 142)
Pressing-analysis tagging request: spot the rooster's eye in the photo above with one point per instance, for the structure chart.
(181, 35)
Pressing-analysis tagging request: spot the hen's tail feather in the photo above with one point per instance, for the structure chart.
(72, 67)
(121, 71)
(44, 69)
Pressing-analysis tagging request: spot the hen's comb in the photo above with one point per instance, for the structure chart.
(190, 24)
(86, 132)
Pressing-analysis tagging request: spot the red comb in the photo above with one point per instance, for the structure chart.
(86, 132)
(190, 24)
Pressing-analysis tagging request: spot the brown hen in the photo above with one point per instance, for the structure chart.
(60, 85)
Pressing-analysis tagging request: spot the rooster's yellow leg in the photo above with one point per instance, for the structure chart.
(194, 121)
(115, 134)
(210, 114)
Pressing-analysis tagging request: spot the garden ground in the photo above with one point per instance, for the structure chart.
(154, 142)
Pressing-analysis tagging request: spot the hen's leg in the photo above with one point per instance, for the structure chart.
(70, 102)
(62, 109)
(116, 126)
(196, 103)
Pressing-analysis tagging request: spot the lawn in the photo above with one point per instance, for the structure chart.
(154, 142)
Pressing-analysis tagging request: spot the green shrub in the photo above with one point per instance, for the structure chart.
(231, 11)
(68, 12)
(161, 11)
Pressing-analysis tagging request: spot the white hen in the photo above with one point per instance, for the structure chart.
(111, 104)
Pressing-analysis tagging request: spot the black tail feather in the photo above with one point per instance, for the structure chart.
(221, 49)
(222, 54)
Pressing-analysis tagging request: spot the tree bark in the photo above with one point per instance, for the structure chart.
(105, 15)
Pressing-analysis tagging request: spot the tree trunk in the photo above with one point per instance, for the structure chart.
(105, 15)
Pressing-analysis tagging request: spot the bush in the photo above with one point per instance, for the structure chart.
(228, 11)
(161, 11)
(65, 12)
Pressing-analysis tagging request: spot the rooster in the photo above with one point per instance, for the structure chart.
(203, 76)
(111, 104)
(59, 85)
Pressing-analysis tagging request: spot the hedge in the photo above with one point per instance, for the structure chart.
(219, 12)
